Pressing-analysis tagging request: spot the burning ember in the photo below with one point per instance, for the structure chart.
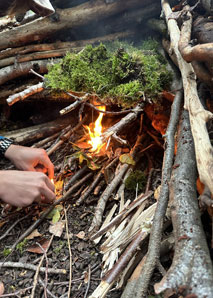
(95, 130)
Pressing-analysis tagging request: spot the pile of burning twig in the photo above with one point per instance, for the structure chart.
(98, 158)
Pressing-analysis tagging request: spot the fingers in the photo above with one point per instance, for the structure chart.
(50, 185)
(48, 194)
(45, 161)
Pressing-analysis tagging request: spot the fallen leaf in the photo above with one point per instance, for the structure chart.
(35, 248)
(34, 234)
(86, 277)
(57, 228)
(127, 158)
(157, 192)
(80, 235)
(3, 222)
(55, 214)
(83, 145)
(1, 288)
(23, 273)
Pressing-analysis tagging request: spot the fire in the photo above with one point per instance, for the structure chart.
(95, 131)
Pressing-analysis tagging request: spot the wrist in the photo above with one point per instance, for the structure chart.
(5, 143)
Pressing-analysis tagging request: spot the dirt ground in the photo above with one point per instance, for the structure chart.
(84, 255)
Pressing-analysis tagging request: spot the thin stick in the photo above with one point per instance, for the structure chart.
(35, 281)
(48, 291)
(76, 176)
(88, 283)
(46, 140)
(90, 188)
(13, 225)
(149, 180)
(16, 293)
(32, 267)
(66, 136)
(25, 93)
(70, 253)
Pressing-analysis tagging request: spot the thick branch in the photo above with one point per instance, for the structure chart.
(21, 69)
(157, 226)
(198, 115)
(191, 265)
(68, 18)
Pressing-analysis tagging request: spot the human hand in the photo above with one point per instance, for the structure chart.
(22, 188)
(30, 159)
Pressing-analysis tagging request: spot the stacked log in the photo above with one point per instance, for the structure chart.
(29, 47)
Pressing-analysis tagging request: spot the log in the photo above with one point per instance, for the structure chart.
(68, 18)
(33, 133)
(22, 69)
(58, 49)
(191, 267)
(61, 45)
(198, 115)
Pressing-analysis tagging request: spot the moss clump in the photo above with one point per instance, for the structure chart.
(124, 74)
(21, 246)
(136, 178)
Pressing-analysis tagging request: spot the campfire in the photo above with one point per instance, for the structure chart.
(121, 139)
(95, 131)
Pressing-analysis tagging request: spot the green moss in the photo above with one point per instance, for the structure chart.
(136, 178)
(6, 252)
(20, 246)
(121, 73)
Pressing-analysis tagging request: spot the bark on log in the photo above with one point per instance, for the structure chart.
(191, 267)
(69, 18)
(33, 133)
(57, 49)
(22, 69)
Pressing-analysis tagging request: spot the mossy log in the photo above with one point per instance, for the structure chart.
(68, 18)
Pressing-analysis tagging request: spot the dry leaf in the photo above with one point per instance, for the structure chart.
(157, 192)
(57, 228)
(83, 145)
(1, 288)
(3, 222)
(34, 234)
(127, 158)
(36, 249)
(86, 277)
(80, 235)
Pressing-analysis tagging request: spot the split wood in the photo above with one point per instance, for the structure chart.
(108, 281)
(123, 214)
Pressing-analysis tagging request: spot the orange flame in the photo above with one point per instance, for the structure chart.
(95, 131)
